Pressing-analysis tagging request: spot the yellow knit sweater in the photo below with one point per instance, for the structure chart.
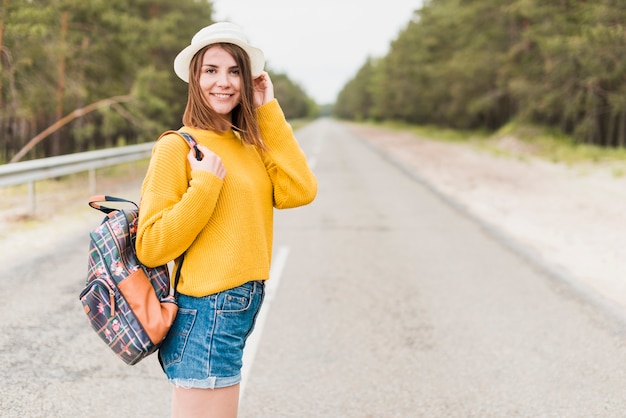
(224, 227)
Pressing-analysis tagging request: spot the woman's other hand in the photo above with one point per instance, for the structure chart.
(209, 161)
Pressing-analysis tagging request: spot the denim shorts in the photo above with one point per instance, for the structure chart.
(204, 347)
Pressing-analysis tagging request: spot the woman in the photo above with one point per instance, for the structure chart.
(218, 211)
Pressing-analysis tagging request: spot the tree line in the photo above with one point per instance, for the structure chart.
(484, 64)
(96, 74)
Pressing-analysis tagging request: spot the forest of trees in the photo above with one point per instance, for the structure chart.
(105, 66)
(61, 59)
(482, 64)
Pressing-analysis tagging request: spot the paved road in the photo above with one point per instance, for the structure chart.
(392, 303)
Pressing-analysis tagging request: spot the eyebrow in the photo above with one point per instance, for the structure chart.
(216, 66)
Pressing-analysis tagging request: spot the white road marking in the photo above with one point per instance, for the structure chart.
(271, 287)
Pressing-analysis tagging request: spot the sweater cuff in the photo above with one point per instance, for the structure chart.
(274, 127)
(270, 110)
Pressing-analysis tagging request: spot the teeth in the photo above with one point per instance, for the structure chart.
(222, 96)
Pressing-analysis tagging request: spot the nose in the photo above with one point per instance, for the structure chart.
(222, 80)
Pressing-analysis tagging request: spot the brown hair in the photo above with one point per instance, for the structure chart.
(199, 114)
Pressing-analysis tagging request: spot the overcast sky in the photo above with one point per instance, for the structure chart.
(319, 44)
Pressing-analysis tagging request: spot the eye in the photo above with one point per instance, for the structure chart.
(235, 71)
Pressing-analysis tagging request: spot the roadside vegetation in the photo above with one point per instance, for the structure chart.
(546, 76)
(98, 73)
(519, 141)
(501, 67)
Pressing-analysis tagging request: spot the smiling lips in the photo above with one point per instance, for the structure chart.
(222, 95)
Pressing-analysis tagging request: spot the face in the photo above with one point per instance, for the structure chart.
(220, 80)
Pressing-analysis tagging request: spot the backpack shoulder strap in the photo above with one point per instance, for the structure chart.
(193, 144)
(94, 201)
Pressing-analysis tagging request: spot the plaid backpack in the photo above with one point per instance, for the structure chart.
(129, 305)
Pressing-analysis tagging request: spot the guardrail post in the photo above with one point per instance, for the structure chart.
(92, 180)
(31, 197)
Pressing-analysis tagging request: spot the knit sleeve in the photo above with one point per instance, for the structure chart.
(176, 203)
(293, 181)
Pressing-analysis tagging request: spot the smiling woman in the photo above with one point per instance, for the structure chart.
(218, 212)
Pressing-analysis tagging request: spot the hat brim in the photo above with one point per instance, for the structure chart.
(183, 59)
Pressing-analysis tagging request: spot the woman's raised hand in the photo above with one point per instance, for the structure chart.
(263, 89)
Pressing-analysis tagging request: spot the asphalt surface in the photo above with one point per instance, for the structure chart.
(392, 303)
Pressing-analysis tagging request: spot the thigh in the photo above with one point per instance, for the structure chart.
(205, 403)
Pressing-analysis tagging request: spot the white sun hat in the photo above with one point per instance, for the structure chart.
(218, 32)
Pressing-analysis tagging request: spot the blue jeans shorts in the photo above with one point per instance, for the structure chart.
(204, 347)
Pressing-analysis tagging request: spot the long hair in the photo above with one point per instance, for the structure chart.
(199, 114)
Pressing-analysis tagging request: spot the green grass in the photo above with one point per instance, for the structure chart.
(555, 146)
(299, 123)
(435, 132)
(535, 141)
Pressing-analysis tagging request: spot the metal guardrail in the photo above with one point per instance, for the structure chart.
(31, 171)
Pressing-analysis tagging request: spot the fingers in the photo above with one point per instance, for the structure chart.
(263, 89)
(209, 162)
(264, 76)
(263, 81)
(191, 157)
